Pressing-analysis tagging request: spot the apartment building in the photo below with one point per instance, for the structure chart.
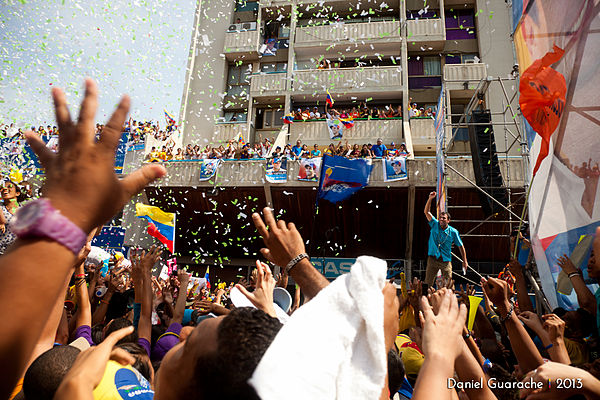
(252, 62)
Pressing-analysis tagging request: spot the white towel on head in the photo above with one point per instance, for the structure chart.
(333, 347)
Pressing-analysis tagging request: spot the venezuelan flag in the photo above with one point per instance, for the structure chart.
(329, 99)
(348, 122)
(288, 119)
(207, 279)
(161, 225)
(170, 119)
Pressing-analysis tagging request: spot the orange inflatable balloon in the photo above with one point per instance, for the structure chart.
(542, 98)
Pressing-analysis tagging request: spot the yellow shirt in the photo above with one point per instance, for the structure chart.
(122, 382)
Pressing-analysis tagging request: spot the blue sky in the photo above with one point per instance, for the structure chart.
(137, 47)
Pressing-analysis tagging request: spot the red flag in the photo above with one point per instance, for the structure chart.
(542, 99)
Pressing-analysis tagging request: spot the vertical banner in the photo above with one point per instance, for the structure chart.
(564, 202)
(394, 169)
(336, 128)
(276, 171)
(439, 152)
(310, 169)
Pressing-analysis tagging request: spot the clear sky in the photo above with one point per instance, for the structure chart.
(137, 47)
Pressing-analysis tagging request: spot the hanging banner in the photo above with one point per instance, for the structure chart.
(564, 202)
(276, 171)
(309, 170)
(208, 168)
(439, 152)
(336, 129)
(394, 169)
(159, 142)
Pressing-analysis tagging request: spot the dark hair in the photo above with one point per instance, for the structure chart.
(243, 337)
(47, 371)
(395, 371)
(22, 195)
(97, 334)
(587, 322)
(120, 323)
(142, 359)
(446, 213)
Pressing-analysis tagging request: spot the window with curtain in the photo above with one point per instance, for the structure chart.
(238, 80)
(431, 66)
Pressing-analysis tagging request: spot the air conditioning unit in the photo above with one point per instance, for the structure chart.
(234, 28)
(471, 61)
(248, 26)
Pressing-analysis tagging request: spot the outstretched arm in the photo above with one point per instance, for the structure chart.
(428, 205)
(284, 243)
(183, 278)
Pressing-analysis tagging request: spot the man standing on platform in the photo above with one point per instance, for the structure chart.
(439, 247)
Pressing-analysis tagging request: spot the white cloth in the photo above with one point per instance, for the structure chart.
(333, 347)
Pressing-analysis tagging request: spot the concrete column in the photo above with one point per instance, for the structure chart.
(291, 58)
(410, 224)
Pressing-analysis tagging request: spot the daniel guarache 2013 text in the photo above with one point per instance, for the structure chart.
(493, 383)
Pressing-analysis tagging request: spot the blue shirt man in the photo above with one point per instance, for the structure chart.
(439, 247)
(297, 149)
(379, 149)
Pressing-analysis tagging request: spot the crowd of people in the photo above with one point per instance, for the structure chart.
(80, 327)
(264, 149)
(363, 111)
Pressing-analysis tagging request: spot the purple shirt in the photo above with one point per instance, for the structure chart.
(167, 341)
(84, 331)
(145, 344)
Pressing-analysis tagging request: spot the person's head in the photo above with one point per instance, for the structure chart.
(578, 324)
(355, 147)
(379, 141)
(298, 143)
(11, 191)
(310, 170)
(304, 147)
(47, 371)
(444, 219)
(395, 370)
(316, 147)
(276, 164)
(218, 357)
(403, 147)
(142, 360)
(119, 323)
(393, 145)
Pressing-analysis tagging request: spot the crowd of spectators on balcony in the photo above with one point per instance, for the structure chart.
(361, 112)
(262, 150)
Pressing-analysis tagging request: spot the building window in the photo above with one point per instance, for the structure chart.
(460, 24)
(238, 80)
(243, 5)
(267, 118)
(235, 116)
(431, 66)
(424, 72)
(273, 67)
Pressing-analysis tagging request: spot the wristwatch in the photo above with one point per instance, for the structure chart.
(39, 219)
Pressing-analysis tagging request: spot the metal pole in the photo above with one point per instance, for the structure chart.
(482, 191)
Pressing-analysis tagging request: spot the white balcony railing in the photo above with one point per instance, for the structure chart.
(422, 132)
(325, 35)
(266, 84)
(225, 131)
(241, 42)
(456, 74)
(363, 132)
(427, 29)
(348, 79)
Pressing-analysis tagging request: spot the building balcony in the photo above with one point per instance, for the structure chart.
(463, 76)
(355, 80)
(241, 43)
(383, 36)
(363, 132)
(274, 3)
(250, 173)
(225, 131)
(268, 84)
(422, 132)
(427, 33)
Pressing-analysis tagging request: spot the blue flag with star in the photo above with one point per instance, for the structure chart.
(341, 177)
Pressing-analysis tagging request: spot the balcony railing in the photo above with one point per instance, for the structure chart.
(240, 173)
(268, 84)
(241, 42)
(424, 30)
(224, 131)
(348, 79)
(273, 3)
(456, 74)
(363, 132)
(422, 132)
(325, 35)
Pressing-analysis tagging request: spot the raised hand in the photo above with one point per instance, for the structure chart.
(80, 178)
(151, 257)
(415, 293)
(497, 291)
(262, 297)
(283, 240)
(532, 321)
(432, 195)
(554, 326)
(88, 369)
(566, 264)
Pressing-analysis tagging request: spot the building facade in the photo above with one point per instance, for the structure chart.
(252, 62)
